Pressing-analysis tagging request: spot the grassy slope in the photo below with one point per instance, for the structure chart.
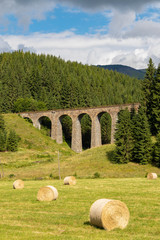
(37, 154)
(24, 218)
(38, 157)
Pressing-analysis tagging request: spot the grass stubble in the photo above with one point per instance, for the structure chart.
(23, 217)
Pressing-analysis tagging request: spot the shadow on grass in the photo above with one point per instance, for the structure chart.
(89, 224)
(110, 156)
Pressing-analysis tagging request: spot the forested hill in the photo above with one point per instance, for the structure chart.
(132, 72)
(35, 82)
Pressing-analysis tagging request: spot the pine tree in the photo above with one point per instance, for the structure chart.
(155, 103)
(123, 138)
(142, 138)
(156, 152)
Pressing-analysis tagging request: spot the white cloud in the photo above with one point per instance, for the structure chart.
(90, 49)
(144, 28)
(25, 11)
(121, 22)
(4, 46)
(25, 49)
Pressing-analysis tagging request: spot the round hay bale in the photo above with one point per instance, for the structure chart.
(151, 176)
(55, 191)
(109, 214)
(70, 180)
(47, 193)
(18, 184)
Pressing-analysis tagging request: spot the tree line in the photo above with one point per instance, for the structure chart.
(38, 82)
(134, 130)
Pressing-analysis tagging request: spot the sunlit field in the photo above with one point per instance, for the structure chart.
(23, 217)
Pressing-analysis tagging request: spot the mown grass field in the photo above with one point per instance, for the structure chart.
(22, 217)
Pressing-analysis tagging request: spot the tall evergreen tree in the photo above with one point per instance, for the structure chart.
(123, 138)
(147, 86)
(155, 103)
(142, 138)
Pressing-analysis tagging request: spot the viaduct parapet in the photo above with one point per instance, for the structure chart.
(95, 114)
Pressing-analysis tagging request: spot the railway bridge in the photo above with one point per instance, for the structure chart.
(76, 115)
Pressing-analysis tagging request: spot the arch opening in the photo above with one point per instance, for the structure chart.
(45, 125)
(86, 124)
(66, 122)
(105, 122)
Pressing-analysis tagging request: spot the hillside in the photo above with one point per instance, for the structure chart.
(132, 72)
(37, 158)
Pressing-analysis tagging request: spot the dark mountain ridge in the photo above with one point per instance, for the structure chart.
(132, 72)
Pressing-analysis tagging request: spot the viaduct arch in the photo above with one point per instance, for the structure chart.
(75, 114)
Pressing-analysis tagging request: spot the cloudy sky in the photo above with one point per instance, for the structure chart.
(88, 31)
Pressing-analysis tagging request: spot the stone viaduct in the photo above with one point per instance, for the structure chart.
(95, 114)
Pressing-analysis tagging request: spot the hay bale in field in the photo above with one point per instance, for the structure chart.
(151, 176)
(47, 193)
(70, 180)
(55, 191)
(109, 214)
(18, 184)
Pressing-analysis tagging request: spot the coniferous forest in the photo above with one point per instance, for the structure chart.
(36, 82)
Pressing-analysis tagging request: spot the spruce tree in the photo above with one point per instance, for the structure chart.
(12, 141)
(155, 103)
(142, 138)
(147, 86)
(123, 138)
(156, 152)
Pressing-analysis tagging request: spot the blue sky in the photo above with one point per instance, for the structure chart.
(91, 32)
(59, 20)
(62, 19)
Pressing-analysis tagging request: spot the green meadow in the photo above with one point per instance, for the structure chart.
(37, 158)
(24, 218)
